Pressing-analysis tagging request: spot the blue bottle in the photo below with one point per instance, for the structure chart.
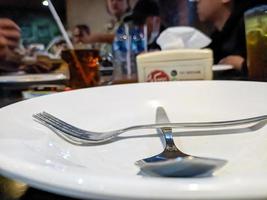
(120, 50)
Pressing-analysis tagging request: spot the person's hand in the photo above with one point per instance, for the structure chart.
(98, 38)
(236, 61)
(9, 36)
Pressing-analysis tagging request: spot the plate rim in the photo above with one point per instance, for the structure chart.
(78, 193)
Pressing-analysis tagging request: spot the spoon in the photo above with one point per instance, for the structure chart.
(172, 162)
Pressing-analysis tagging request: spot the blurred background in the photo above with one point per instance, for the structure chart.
(38, 26)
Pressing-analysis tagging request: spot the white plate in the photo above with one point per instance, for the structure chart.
(33, 154)
(30, 78)
(221, 67)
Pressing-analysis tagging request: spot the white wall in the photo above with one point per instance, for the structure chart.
(90, 12)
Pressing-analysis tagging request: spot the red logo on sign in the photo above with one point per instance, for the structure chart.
(157, 75)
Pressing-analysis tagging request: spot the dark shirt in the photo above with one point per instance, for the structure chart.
(154, 45)
(231, 40)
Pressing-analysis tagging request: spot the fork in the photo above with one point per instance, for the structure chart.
(80, 136)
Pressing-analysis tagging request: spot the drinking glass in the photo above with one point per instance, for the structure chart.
(83, 67)
(256, 36)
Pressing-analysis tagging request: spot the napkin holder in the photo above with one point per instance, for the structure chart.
(175, 65)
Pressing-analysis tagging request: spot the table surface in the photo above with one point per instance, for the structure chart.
(13, 190)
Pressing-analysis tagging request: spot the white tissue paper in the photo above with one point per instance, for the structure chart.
(182, 57)
(182, 37)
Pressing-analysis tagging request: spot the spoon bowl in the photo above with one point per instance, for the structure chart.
(179, 165)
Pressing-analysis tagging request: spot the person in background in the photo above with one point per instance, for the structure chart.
(146, 12)
(9, 37)
(80, 31)
(228, 39)
(117, 10)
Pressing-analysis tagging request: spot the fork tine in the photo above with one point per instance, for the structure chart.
(62, 126)
(51, 121)
(60, 122)
(69, 136)
(65, 136)
(71, 139)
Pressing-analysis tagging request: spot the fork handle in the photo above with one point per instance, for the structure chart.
(217, 124)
